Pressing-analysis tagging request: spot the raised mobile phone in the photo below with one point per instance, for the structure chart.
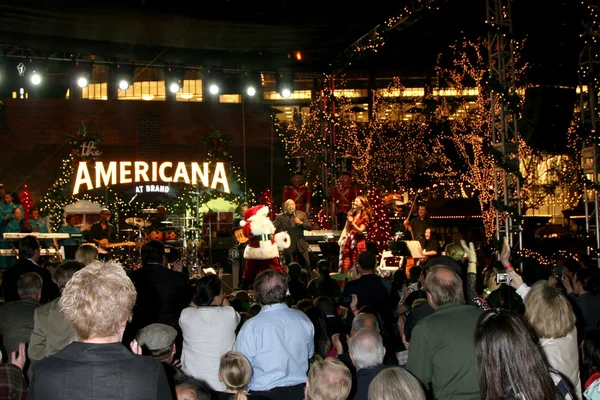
(502, 278)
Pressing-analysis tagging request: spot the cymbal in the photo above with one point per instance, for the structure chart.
(137, 221)
(149, 211)
(192, 229)
(166, 222)
(127, 230)
(185, 218)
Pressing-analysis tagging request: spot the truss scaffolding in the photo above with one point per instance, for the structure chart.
(589, 68)
(505, 136)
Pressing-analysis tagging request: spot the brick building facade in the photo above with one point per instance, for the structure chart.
(32, 134)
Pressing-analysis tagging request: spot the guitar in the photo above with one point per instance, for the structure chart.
(103, 244)
(239, 236)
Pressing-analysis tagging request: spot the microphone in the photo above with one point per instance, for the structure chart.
(353, 211)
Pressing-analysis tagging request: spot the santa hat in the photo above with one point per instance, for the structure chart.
(251, 214)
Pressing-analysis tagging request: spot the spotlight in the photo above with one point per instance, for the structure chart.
(251, 82)
(174, 79)
(285, 84)
(214, 83)
(174, 87)
(286, 93)
(36, 79)
(82, 72)
(124, 76)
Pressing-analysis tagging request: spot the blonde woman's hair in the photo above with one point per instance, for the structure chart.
(98, 300)
(548, 311)
(236, 372)
(86, 254)
(329, 379)
(395, 383)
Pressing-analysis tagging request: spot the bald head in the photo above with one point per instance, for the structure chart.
(443, 286)
(364, 320)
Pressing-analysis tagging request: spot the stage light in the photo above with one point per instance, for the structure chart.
(285, 93)
(124, 76)
(174, 87)
(251, 83)
(174, 79)
(35, 78)
(285, 84)
(214, 81)
(82, 72)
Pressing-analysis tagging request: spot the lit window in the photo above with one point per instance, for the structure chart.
(230, 98)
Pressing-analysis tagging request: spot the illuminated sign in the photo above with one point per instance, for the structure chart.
(152, 189)
(121, 172)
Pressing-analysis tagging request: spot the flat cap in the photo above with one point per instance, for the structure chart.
(156, 336)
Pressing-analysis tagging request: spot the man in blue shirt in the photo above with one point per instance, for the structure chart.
(278, 342)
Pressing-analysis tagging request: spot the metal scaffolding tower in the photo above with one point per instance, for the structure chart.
(589, 68)
(505, 137)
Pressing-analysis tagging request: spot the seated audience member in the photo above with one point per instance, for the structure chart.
(51, 331)
(12, 382)
(510, 364)
(86, 254)
(395, 384)
(367, 352)
(235, 372)
(441, 354)
(360, 321)
(329, 379)
(98, 302)
(208, 331)
(590, 355)
(29, 255)
(189, 388)
(278, 342)
(324, 284)
(16, 317)
(158, 340)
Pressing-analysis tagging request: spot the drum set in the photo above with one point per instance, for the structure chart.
(182, 242)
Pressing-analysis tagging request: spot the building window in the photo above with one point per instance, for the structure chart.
(147, 90)
(230, 98)
(191, 91)
(95, 91)
(296, 95)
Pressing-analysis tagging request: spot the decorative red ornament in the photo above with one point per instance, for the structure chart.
(26, 201)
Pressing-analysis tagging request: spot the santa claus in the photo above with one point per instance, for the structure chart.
(263, 246)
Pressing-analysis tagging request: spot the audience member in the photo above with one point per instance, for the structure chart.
(278, 342)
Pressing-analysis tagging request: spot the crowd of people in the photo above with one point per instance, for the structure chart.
(457, 325)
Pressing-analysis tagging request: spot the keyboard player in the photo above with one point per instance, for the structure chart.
(71, 229)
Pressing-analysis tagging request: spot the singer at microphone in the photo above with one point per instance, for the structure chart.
(294, 222)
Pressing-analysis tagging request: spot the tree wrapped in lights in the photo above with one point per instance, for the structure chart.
(469, 121)
(379, 229)
(26, 201)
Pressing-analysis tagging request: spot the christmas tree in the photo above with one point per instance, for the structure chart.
(379, 229)
(26, 201)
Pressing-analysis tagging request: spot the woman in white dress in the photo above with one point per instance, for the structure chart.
(208, 328)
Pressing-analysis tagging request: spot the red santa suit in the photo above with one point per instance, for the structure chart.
(263, 246)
